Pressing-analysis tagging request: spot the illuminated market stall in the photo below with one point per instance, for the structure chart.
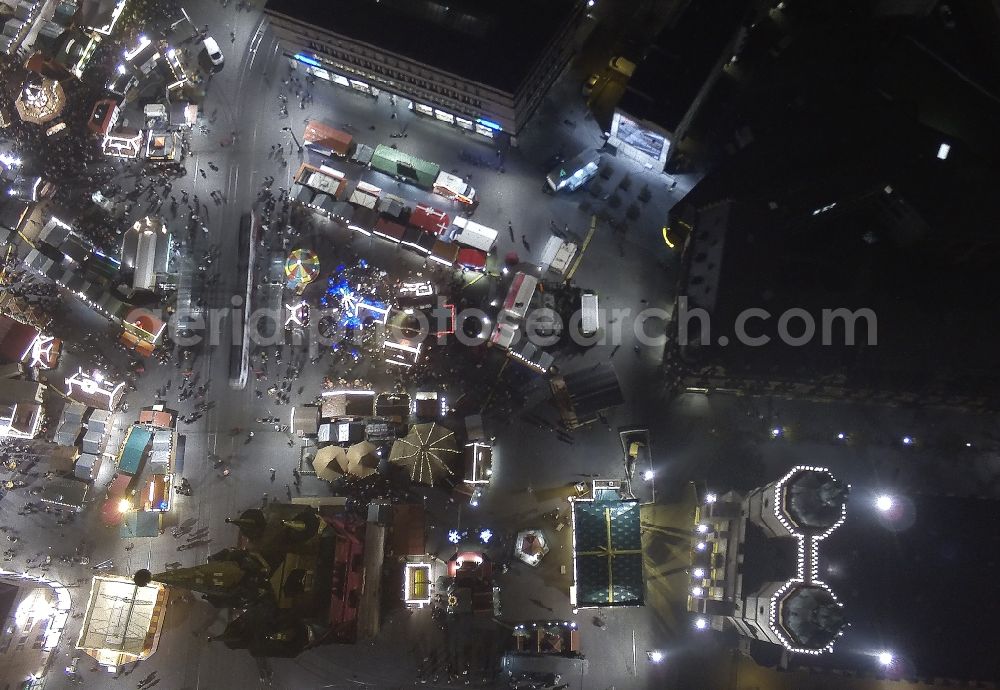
(122, 622)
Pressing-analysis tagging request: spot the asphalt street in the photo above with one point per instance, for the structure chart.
(716, 442)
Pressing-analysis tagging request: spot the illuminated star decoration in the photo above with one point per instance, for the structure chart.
(298, 314)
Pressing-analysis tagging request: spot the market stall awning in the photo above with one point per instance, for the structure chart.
(472, 258)
(607, 558)
(530, 546)
(430, 220)
(330, 463)
(362, 459)
(140, 523)
(389, 230)
(425, 452)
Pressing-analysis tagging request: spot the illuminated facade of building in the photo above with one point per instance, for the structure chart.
(31, 608)
(446, 60)
(738, 579)
(100, 16)
(20, 408)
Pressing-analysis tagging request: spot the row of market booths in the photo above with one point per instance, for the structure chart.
(85, 426)
(26, 355)
(359, 433)
(161, 142)
(152, 444)
(149, 66)
(73, 263)
(452, 241)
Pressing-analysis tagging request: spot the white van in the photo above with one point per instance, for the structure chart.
(557, 255)
(212, 48)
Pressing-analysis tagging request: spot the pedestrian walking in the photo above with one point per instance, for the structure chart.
(273, 474)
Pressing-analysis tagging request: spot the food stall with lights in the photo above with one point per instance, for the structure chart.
(546, 637)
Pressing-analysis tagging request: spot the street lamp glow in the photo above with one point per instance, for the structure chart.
(907, 440)
(655, 655)
(648, 475)
(124, 505)
(885, 658)
(702, 528)
(840, 436)
(700, 623)
(697, 591)
(776, 432)
(701, 546)
(884, 503)
(698, 572)
(711, 498)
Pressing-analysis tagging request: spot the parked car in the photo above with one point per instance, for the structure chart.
(212, 48)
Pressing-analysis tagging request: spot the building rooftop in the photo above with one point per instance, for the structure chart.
(121, 618)
(815, 500)
(811, 617)
(882, 224)
(453, 36)
(904, 579)
(680, 60)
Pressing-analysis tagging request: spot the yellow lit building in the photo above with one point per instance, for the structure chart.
(123, 621)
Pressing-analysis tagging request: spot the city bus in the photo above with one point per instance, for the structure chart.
(589, 319)
(573, 174)
(239, 350)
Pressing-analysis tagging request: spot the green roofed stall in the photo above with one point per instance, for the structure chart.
(134, 450)
(140, 523)
(398, 164)
(607, 553)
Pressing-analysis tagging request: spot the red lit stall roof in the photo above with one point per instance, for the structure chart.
(430, 220)
(103, 117)
(16, 339)
(161, 419)
(389, 230)
(120, 486)
(472, 258)
(327, 139)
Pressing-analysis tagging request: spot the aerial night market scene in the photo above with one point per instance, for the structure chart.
(583, 344)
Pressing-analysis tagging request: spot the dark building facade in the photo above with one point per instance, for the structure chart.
(483, 67)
